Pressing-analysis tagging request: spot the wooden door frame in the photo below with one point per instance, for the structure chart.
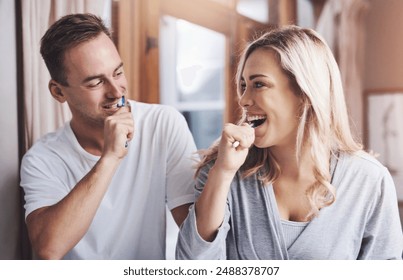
(137, 43)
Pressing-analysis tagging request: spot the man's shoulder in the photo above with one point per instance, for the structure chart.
(48, 143)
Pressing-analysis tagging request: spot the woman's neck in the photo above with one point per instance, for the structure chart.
(292, 166)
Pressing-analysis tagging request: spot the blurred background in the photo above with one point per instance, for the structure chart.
(184, 54)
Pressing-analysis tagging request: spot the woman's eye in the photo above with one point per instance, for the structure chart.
(258, 84)
(243, 86)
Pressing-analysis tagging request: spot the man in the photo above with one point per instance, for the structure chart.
(98, 187)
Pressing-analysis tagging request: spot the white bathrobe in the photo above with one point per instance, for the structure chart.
(363, 222)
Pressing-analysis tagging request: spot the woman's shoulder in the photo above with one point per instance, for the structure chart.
(363, 167)
(363, 161)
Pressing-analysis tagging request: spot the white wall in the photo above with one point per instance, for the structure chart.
(9, 178)
(384, 56)
(384, 45)
(384, 63)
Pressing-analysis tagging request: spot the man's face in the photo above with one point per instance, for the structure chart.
(96, 81)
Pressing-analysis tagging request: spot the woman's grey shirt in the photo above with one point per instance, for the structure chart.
(363, 222)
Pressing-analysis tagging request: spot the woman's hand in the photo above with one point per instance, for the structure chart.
(231, 157)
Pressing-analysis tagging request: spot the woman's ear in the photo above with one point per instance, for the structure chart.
(56, 91)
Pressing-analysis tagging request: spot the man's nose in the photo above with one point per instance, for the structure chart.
(114, 90)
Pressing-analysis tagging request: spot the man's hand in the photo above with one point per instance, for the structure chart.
(118, 132)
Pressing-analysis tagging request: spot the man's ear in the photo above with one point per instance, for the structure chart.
(56, 91)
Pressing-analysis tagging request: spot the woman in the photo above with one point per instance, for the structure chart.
(290, 182)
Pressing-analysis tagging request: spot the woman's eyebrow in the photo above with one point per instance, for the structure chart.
(251, 77)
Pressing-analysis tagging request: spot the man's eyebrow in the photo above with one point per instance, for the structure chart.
(120, 66)
(90, 78)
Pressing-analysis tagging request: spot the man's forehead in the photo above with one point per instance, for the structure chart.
(92, 58)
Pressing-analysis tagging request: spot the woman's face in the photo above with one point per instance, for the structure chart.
(270, 100)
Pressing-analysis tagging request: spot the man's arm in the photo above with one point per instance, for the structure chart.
(56, 229)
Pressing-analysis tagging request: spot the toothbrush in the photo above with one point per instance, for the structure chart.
(122, 103)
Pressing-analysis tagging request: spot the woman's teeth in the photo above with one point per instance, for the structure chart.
(255, 121)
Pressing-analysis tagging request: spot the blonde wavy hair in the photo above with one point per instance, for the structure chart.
(323, 122)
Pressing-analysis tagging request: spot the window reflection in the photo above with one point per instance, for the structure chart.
(192, 72)
(204, 131)
(305, 10)
(255, 9)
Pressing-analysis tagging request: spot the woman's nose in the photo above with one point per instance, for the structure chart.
(246, 99)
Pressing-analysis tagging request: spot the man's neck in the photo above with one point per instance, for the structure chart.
(90, 137)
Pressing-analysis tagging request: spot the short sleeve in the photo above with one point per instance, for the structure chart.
(40, 180)
(181, 159)
(383, 237)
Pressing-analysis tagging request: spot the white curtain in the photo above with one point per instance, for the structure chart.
(342, 25)
(42, 113)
